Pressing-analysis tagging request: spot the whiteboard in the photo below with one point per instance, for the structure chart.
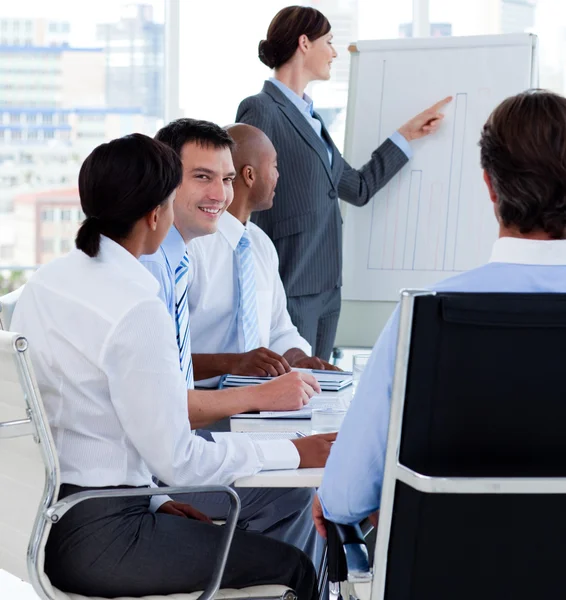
(434, 219)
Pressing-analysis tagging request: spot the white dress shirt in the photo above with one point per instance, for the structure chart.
(214, 292)
(106, 360)
(162, 265)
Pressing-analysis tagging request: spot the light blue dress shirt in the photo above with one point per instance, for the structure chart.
(162, 266)
(353, 476)
(306, 108)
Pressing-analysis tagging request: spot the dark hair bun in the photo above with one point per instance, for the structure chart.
(266, 54)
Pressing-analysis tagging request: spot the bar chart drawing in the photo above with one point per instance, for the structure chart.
(434, 218)
(415, 233)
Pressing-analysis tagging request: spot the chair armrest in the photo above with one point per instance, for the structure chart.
(57, 510)
(347, 554)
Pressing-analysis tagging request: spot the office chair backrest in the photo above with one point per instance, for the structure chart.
(7, 306)
(485, 397)
(29, 469)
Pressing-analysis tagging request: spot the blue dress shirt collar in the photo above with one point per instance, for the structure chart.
(304, 104)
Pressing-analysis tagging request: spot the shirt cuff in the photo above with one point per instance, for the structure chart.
(156, 501)
(211, 383)
(286, 342)
(401, 143)
(277, 454)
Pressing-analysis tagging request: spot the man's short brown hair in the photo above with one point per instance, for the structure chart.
(523, 150)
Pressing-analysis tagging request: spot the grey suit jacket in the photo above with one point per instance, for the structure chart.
(305, 223)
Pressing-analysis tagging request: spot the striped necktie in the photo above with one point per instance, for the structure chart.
(182, 320)
(247, 310)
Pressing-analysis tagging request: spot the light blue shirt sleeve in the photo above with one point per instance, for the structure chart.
(400, 141)
(353, 477)
(166, 289)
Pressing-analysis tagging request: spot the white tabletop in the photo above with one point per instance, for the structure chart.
(292, 478)
(343, 399)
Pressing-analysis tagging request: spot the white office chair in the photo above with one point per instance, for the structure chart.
(29, 486)
(7, 306)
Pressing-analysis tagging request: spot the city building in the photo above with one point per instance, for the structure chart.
(43, 226)
(34, 32)
(53, 112)
(51, 76)
(134, 50)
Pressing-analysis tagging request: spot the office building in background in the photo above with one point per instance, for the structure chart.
(55, 107)
(134, 48)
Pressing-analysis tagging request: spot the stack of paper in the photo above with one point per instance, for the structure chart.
(330, 381)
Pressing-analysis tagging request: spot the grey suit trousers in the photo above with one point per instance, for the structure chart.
(316, 317)
(117, 547)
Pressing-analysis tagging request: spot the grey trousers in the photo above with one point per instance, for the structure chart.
(282, 514)
(117, 547)
(316, 318)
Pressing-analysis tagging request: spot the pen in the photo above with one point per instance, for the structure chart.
(300, 434)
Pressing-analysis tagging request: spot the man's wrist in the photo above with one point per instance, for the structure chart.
(294, 355)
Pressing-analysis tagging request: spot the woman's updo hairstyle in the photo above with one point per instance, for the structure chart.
(288, 25)
(119, 183)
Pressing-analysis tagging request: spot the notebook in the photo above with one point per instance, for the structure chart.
(330, 381)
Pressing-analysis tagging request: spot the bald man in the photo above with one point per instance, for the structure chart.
(238, 307)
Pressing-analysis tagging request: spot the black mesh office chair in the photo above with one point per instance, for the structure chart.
(474, 494)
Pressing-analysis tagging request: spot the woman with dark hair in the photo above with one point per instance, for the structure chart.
(305, 223)
(107, 364)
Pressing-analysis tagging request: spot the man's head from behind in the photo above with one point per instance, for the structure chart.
(523, 154)
(255, 161)
(208, 172)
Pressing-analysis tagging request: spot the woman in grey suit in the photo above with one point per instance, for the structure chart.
(305, 223)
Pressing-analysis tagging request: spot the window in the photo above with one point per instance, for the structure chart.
(350, 19)
(542, 17)
(6, 252)
(47, 245)
(49, 97)
(66, 245)
(47, 215)
(91, 118)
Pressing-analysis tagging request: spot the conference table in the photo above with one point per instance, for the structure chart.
(285, 478)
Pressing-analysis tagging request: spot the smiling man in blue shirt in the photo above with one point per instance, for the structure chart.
(523, 154)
